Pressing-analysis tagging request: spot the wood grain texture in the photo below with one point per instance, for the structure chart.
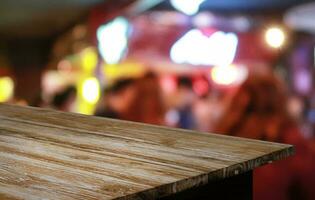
(46, 154)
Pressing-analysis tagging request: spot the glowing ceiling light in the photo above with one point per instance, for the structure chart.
(197, 49)
(113, 39)
(189, 7)
(275, 37)
(227, 75)
(91, 90)
(6, 88)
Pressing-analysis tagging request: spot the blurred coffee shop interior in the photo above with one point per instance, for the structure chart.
(237, 67)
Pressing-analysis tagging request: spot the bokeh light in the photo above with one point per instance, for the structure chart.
(275, 37)
(6, 88)
(189, 7)
(228, 75)
(89, 59)
(123, 70)
(91, 90)
(198, 49)
(113, 39)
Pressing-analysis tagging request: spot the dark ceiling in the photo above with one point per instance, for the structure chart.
(243, 5)
(41, 18)
(248, 5)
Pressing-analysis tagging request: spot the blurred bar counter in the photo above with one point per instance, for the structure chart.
(46, 154)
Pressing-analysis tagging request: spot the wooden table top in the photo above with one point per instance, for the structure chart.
(46, 154)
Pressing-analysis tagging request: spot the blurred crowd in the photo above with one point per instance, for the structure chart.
(258, 108)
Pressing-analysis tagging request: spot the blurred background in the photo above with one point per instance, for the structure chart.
(237, 67)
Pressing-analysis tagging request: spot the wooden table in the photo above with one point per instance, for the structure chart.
(46, 154)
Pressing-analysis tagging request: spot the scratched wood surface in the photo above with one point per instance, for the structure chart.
(46, 154)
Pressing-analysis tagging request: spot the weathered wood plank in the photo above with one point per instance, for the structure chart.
(46, 154)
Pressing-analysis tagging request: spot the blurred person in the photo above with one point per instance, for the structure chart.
(202, 107)
(207, 111)
(136, 100)
(117, 99)
(184, 100)
(148, 106)
(202, 113)
(257, 109)
(65, 99)
(39, 101)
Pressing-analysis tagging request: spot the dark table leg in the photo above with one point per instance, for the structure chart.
(236, 187)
